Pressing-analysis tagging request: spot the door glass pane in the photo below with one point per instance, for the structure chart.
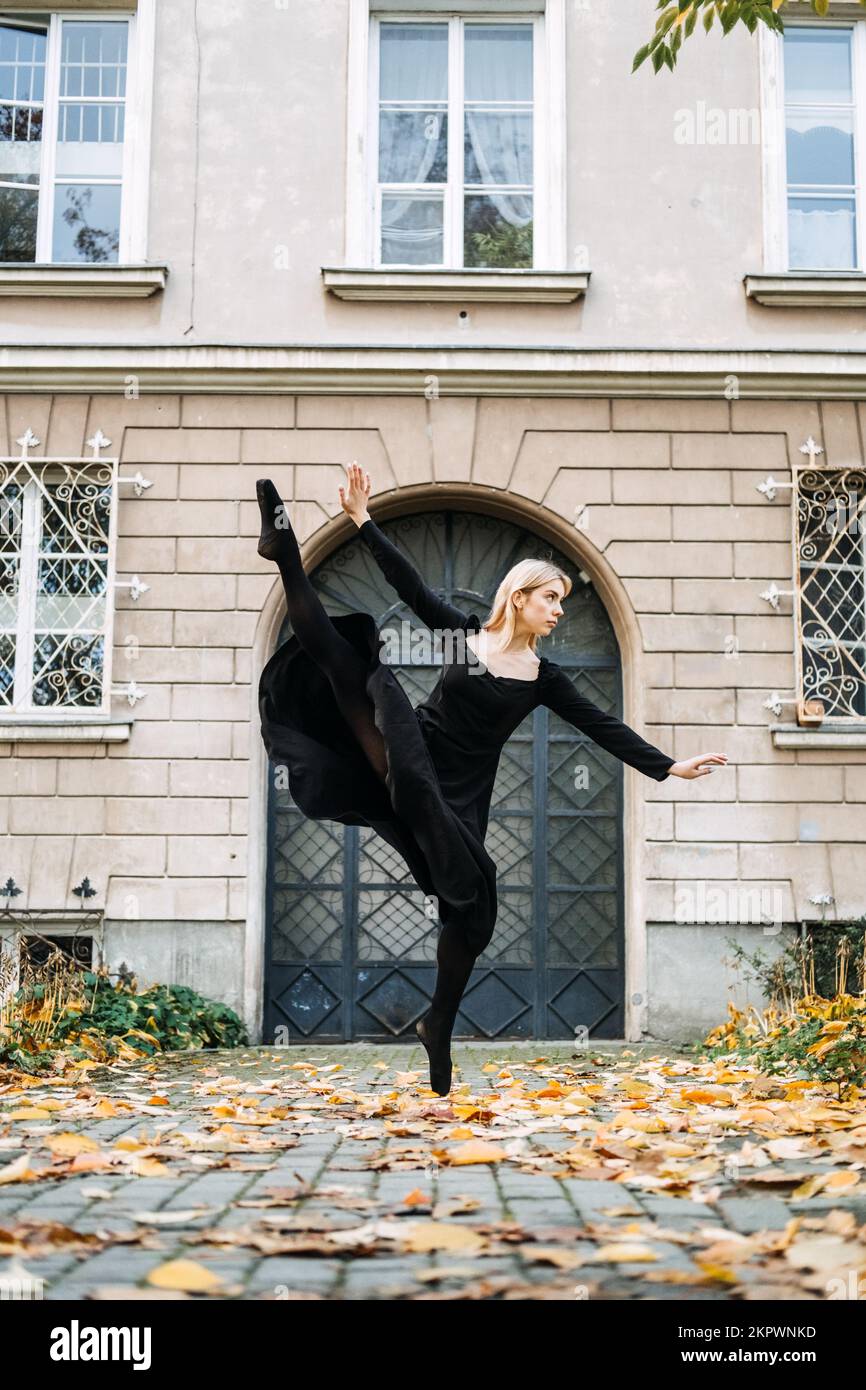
(412, 229)
(817, 65)
(821, 233)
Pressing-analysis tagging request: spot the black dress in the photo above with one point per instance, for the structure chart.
(442, 756)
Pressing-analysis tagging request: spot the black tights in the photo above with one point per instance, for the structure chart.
(346, 672)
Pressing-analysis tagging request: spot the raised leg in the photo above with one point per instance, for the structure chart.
(314, 630)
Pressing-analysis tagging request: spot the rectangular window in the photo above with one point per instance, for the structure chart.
(454, 142)
(822, 146)
(63, 137)
(830, 588)
(56, 574)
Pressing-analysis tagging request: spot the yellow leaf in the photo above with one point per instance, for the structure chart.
(622, 1254)
(811, 1186)
(726, 1276)
(106, 1109)
(707, 1095)
(441, 1235)
(841, 1181)
(90, 1163)
(184, 1276)
(33, 1112)
(145, 1167)
(550, 1254)
(68, 1145)
(416, 1198)
(638, 1090)
(473, 1151)
(18, 1171)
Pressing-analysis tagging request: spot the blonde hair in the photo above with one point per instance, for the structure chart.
(525, 575)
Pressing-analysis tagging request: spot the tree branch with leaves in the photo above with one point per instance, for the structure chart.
(677, 22)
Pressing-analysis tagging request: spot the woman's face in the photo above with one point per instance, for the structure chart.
(541, 607)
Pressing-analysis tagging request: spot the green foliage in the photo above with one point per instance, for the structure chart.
(502, 246)
(79, 1015)
(677, 19)
(807, 966)
(813, 1027)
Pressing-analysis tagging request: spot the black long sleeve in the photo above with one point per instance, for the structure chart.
(560, 695)
(402, 575)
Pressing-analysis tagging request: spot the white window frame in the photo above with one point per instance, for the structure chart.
(22, 709)
(838, 486)
(134, 179)
(362, 242)
(775, 170)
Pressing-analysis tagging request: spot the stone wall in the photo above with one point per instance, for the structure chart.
(168, 825)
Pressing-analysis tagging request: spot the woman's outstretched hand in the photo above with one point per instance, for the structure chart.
(353, 497)
(697, 767)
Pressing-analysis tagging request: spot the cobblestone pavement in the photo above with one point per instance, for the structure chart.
(534, 1229)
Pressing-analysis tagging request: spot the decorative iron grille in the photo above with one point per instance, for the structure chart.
(830, 588)
(58, 520)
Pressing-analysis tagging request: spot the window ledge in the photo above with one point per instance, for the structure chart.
(459, 286)
(810, 289)
(70, 730)
(82, 280)
(828, 736)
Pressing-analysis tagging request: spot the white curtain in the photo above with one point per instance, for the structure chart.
(410, 138)
(501, 143)
(821, 239)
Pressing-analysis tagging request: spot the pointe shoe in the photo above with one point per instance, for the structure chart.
(272, 538)
(438, 1057)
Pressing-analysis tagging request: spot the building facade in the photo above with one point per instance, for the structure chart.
(553, 307)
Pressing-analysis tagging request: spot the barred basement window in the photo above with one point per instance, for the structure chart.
(56, 576)
(830, 584)
(37, 950)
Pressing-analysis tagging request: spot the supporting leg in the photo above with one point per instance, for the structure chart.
(455, 960)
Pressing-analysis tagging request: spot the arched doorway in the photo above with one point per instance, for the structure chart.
(350, 952)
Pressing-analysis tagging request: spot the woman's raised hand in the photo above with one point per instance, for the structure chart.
(697, 767)
(353, 497)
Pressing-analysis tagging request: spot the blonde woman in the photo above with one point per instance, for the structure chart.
(357, 752)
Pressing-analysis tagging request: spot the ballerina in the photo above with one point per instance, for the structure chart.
(357, 751)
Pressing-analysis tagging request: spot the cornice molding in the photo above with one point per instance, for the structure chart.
(445, 370)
